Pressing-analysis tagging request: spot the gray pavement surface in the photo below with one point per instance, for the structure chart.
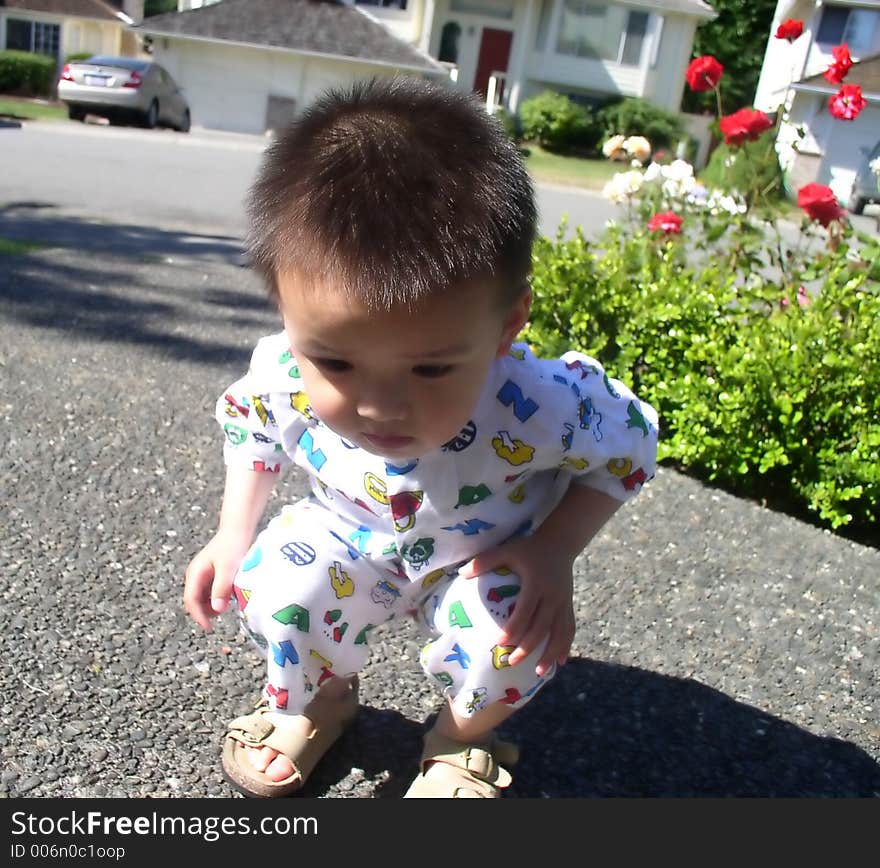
(722, 649)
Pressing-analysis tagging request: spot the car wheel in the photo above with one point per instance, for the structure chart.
(76, 113)
(151, 118)
(184, 124)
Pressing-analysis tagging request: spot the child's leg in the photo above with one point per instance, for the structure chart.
(483, 689)
(308, 604)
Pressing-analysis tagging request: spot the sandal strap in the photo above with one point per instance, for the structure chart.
(256, 730)
(479, 762)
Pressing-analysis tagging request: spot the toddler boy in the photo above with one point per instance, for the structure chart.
(453, 473)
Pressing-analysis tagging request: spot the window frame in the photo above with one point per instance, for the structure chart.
(33, 25)
(552, 37)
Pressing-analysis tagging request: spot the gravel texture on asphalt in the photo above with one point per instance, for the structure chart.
(722, 649)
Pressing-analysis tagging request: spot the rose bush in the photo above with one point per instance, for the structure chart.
(758, 346)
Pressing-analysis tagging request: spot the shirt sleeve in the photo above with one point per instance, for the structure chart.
(610, 439)
(255, 411)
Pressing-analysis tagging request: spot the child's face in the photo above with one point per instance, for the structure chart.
(397, 383)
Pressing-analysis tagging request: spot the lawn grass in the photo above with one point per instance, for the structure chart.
(572, 171)
(8, 247)
(31, 109)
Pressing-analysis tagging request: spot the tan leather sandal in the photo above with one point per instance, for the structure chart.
(452, 770)
(330, 717)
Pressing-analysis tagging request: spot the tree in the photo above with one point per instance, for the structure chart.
(737, 37)
(157, 7)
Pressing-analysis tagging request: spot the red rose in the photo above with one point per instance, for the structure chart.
(667, 222)
(820, 203)
(846, 104)
(746, 124)
(790, 29)
(837, 71)
(703, 73)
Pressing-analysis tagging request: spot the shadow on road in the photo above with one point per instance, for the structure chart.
(40, 223)
(168, 291)
(611, 730)
(602, 731)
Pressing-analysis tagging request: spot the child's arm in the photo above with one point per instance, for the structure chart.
(211, 572)
(544, 563)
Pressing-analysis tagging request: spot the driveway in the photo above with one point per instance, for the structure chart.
(722, 649)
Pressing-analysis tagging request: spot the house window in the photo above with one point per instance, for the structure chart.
(634, 38)
(597, 30)
(387, 4)
(543, 24)
(449, 42)
(36, 36)
(859, 28)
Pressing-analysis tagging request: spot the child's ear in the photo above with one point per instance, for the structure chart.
(515, 319)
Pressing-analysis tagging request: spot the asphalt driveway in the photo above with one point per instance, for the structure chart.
(722, 649)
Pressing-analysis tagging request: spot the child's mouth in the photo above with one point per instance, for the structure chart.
(390, 442)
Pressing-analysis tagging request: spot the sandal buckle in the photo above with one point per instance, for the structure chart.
(479, 762)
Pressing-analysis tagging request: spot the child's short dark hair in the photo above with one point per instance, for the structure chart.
(393, 189)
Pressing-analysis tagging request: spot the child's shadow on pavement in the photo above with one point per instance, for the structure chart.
(601, 729)
(604, 730)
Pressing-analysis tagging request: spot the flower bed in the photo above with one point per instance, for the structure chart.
(759, 347)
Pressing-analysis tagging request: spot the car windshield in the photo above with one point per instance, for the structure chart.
(129, 63)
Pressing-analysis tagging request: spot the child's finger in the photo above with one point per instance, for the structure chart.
(518, 623)
(537, 632)
(221, 590)
(484, 562)
(556, 651)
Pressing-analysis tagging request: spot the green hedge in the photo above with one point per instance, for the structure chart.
(557, 123)
(769, 397)
(638, 117)
(26, 74)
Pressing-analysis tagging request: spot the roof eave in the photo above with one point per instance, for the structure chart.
(706, 13)
(829, 91)
(140, 28)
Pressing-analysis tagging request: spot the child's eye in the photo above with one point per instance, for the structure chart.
(432, 371)
(336, 366)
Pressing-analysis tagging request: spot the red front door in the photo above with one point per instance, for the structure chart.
(494, 54)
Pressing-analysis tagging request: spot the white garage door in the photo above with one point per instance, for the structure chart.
(848, 142)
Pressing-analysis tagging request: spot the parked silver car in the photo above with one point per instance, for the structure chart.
(123, 88)
(866, 186)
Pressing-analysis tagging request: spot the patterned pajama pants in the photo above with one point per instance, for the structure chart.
(309, 600)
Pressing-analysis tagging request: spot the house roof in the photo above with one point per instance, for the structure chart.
(688, 7)
(77, 8)
(865, 73)
(314, 26)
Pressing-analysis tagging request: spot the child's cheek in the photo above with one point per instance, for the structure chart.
(329, 404)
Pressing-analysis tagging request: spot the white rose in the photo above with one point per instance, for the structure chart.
(637, 147)
(653, 172)
(613, 146)
(623, 186)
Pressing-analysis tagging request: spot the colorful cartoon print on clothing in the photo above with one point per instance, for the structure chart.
(379, 538)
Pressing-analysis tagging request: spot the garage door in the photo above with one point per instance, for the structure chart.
(848, 142)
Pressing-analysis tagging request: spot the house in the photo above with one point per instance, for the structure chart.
(812, 144)
(587, 50)
(60, 28)
(251, 65)
(274, 56)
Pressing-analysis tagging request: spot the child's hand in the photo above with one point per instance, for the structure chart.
(544, 606)
(209, 577)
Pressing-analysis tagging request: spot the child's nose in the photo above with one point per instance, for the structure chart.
(383, 404)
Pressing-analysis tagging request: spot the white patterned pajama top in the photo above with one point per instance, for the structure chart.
(378, 539)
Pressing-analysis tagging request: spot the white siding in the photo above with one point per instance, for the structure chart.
(228, 87)
(664, 81)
